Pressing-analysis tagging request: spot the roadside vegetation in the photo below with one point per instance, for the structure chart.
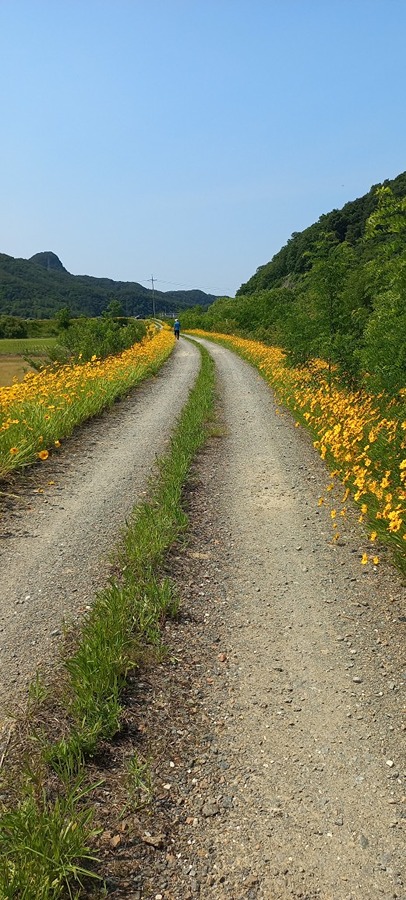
(335, 292)
(39, 412)
(362, 437)
(325, 323)
(34, 344)
(46, 833)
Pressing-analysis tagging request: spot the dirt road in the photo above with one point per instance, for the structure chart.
(55, 539)
(294, 788)
(309, 709)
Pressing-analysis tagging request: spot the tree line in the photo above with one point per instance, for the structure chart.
(336, 291)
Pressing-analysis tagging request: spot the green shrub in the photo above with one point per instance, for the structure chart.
(101, 337)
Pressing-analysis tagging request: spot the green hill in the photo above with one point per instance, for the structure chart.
(337, 290)
(343, 225)
(40, 286)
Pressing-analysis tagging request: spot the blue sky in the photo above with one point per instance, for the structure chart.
(189, 138)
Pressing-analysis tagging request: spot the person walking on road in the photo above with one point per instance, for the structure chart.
(176, 328)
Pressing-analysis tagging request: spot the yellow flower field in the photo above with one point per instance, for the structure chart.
(365, 448)
(38, 412)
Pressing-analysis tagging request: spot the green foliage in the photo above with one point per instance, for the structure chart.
(101, 337)
(44, 844)
(336, 291)
(12, 327)
(63, 318)
(114, 309)
(38, 287)
(347, 224)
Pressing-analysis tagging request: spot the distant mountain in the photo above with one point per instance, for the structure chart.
(49, 261)
(38, 287)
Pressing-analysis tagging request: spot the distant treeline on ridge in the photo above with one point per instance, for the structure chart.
(39, 287)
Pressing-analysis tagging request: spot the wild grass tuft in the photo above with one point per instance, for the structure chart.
(45, 844)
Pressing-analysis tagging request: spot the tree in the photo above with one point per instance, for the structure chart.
(114, 310)
(63, 318)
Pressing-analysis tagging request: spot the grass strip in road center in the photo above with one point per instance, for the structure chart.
(38, 856)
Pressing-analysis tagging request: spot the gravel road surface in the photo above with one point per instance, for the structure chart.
(282, 771)
(284, 779)
(308, 712)
(56, 537)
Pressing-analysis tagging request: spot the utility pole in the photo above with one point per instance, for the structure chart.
(153, 296)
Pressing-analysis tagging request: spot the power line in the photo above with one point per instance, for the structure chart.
(188, 286)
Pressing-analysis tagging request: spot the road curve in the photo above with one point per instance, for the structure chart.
(55, 541)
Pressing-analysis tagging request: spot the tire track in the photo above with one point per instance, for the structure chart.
(56, 540)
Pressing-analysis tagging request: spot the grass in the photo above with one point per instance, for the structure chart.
(45, 844)
(39, 412)
(45, 837)
(35, 346)
(21, 355)
(128, 614)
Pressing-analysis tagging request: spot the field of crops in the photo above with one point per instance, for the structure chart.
(38, 412)
(15, 353)
(35, 346)
(362, 437)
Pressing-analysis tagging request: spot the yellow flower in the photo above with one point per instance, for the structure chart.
(57, 443)
(43, 454)
(13, 450)
(375, 560)
(320, 501)
(373, 536)
(364, 559)
(333, 513)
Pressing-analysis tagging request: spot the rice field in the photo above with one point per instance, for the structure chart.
(15, 353)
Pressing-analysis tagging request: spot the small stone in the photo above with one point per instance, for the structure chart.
(390, 763)
(209, 809)
(153, 840)
(357, 680)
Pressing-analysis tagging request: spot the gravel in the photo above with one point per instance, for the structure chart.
(275, 721)
(306, 738)
(59, 523)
